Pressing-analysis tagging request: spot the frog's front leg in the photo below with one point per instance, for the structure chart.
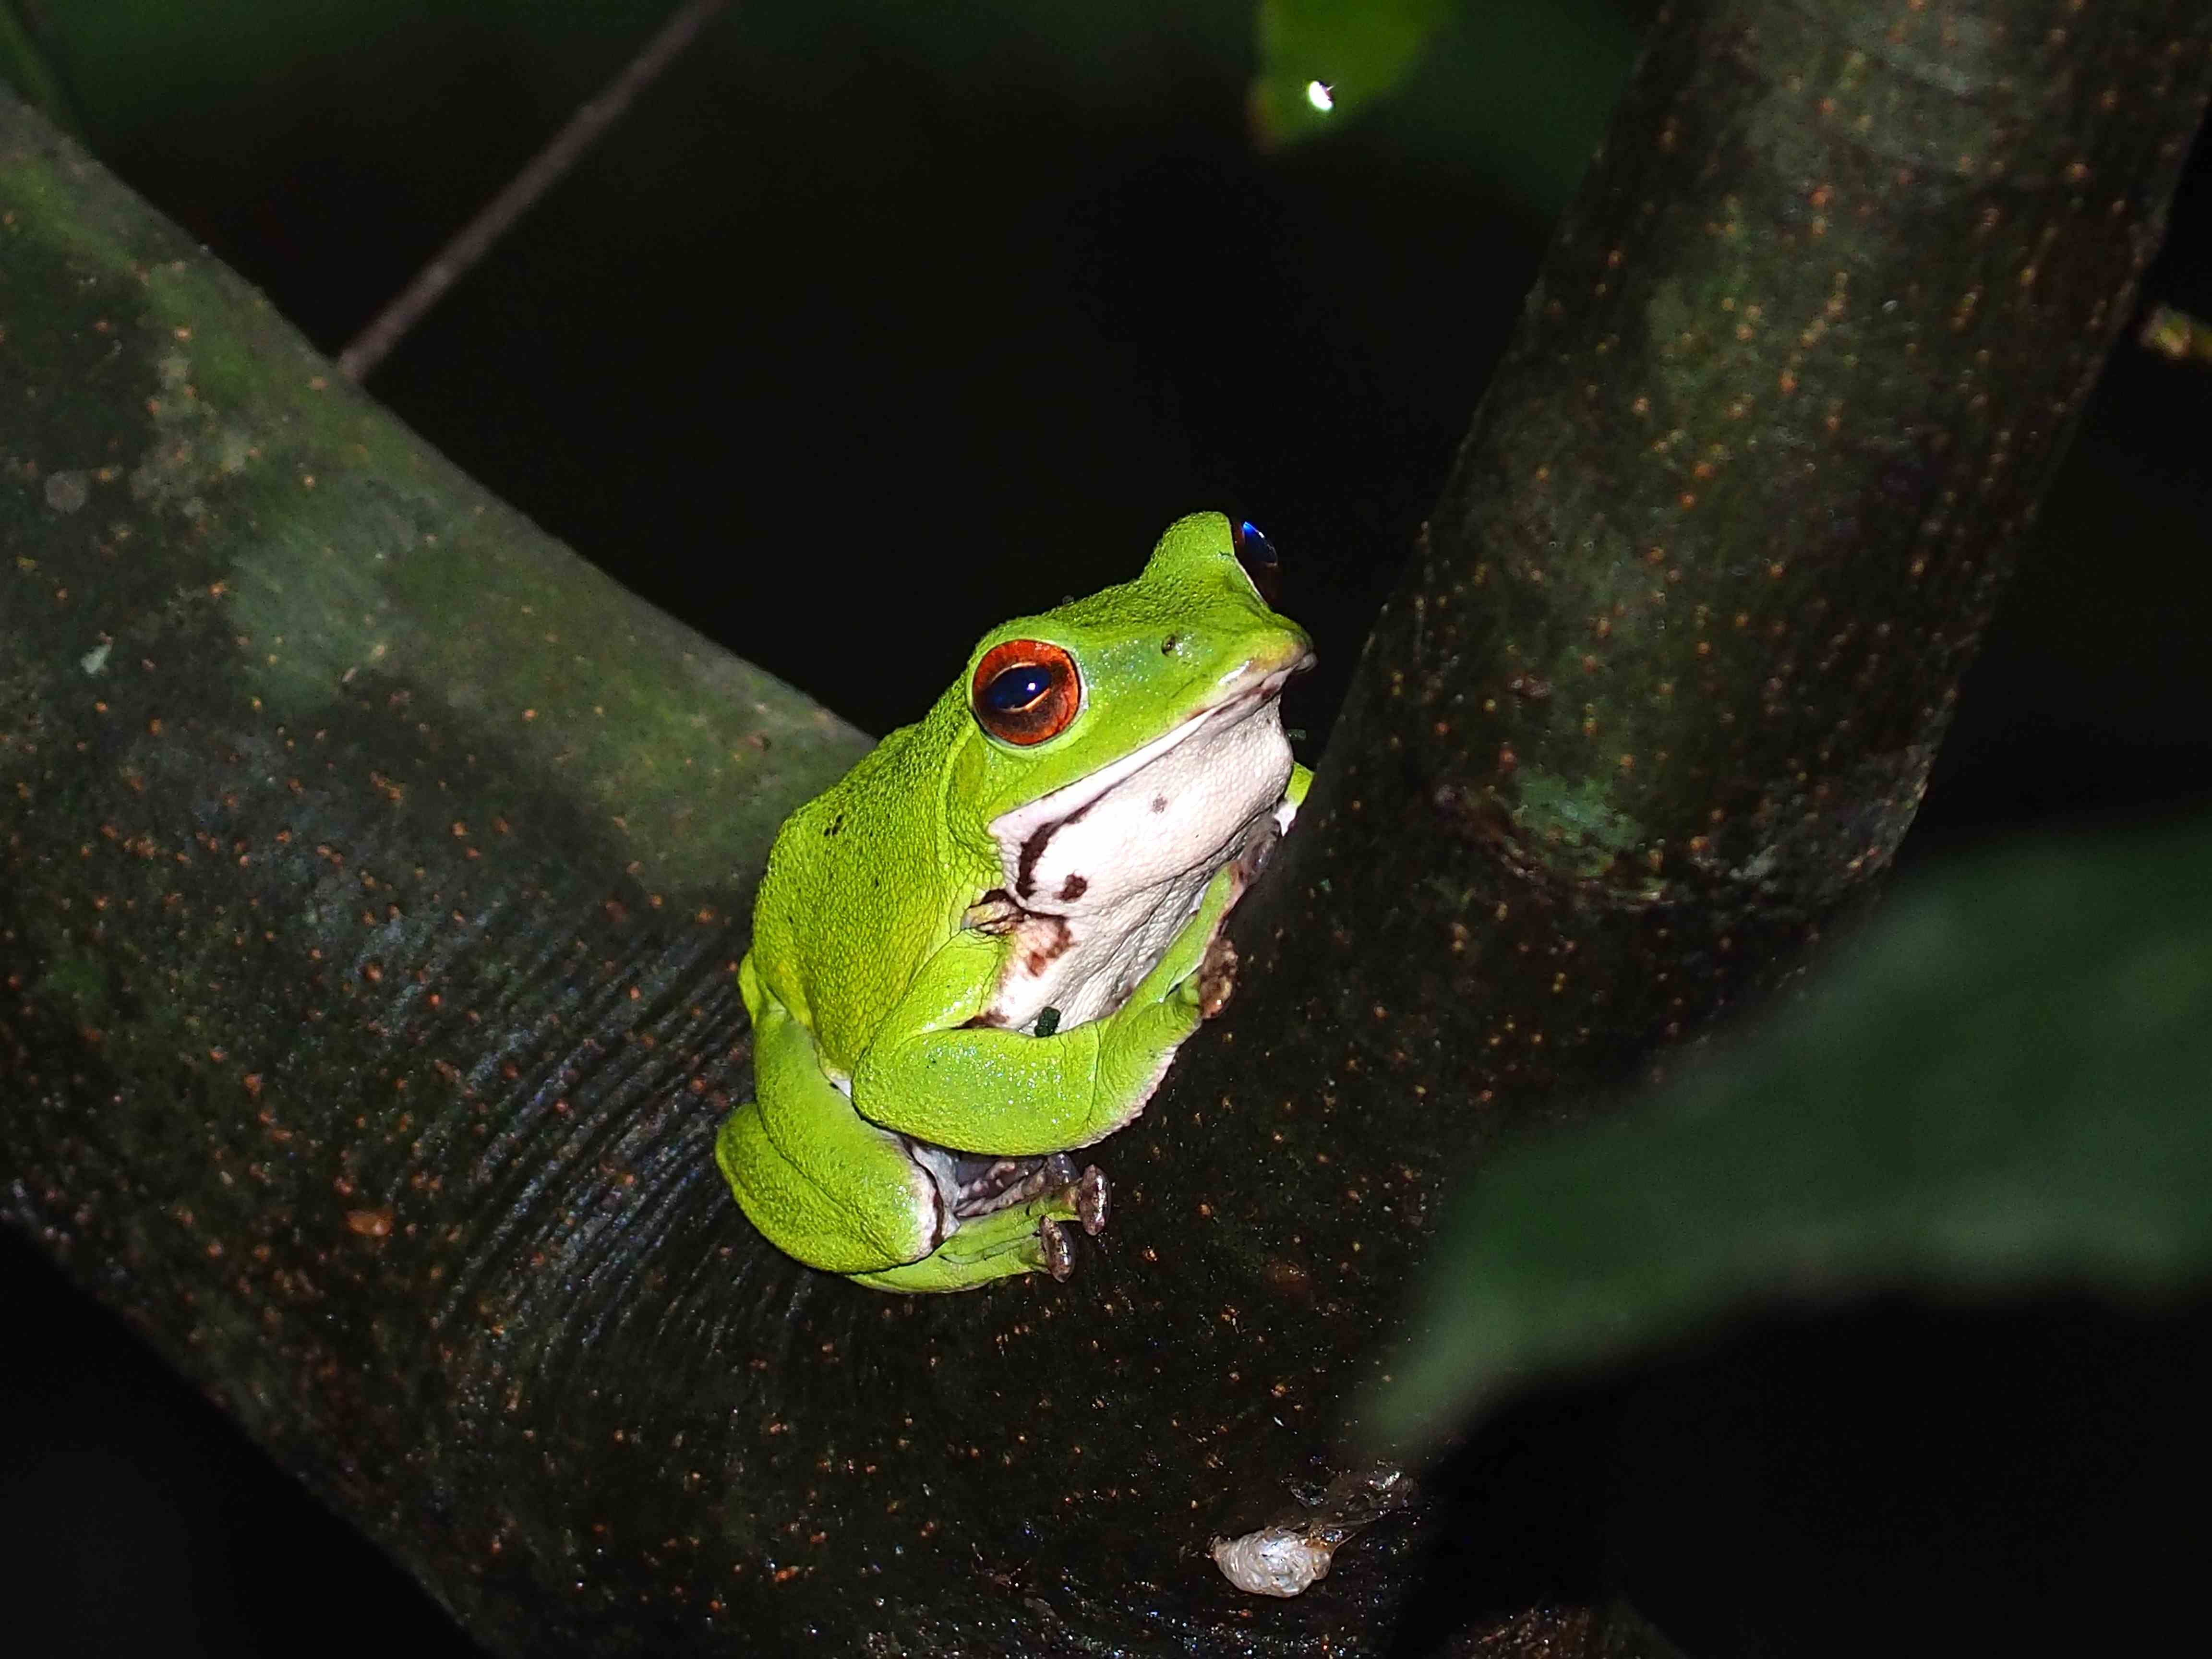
(826, 1186)
(932, 1074)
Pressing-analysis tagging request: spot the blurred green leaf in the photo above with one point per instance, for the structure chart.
(27, 68)
(2003, 1086)
(1355, 51)
(1521, 89)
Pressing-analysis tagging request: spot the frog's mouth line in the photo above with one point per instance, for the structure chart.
(1024, 834)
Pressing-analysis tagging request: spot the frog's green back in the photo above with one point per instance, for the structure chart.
(859, 889)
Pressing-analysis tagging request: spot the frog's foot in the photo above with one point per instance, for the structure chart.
(983, 1182)
(1089, 1195)
(984, 1185)
(1020, 1236)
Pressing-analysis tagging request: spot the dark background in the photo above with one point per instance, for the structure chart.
(872, 325)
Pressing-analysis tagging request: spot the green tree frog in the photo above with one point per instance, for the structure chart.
(978, 950)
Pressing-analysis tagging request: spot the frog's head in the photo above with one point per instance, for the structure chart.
(1127, 738)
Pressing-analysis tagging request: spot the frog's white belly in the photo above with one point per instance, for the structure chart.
(1106, 872)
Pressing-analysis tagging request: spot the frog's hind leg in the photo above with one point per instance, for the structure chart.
(820, 1182)
(824, 1185)
(877, 1211)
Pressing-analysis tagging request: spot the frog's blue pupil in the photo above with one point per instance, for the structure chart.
(1251, 544)
(1011, 692)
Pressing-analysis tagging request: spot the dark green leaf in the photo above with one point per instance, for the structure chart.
(1354, 49)
(2003, 1086)
(26, 68)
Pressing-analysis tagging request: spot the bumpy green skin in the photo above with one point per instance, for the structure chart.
(862, 972)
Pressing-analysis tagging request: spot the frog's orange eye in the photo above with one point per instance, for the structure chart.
(1025, 691)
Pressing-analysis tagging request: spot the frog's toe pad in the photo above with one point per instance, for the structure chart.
(1055, 1255)
(1217, 977)
(1093, 1197)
